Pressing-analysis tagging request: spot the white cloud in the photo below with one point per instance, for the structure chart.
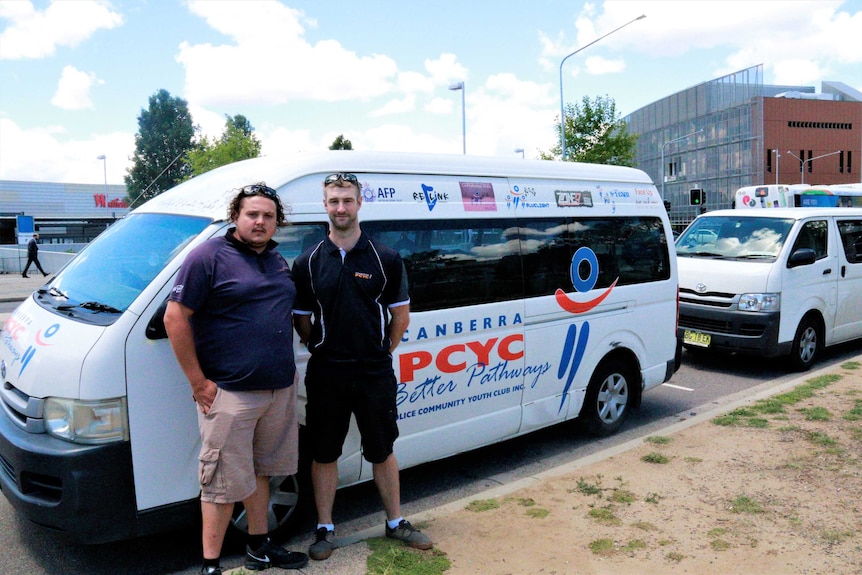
(35, 34)
(73, 90)
(270, 61)
(596, 65)
(72, 161)
(397, 106)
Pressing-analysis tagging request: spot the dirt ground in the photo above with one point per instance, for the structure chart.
(776, 492)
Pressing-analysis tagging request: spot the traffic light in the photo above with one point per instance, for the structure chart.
(697, 197)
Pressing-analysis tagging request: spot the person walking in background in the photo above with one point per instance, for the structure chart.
(357, 289)
(229, 323)
(33, 256)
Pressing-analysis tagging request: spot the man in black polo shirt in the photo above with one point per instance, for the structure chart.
(356, 290)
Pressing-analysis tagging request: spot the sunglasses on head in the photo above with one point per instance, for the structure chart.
(333, 179)
(258, 190)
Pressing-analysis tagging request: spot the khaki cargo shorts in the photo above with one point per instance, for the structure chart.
(244, 435)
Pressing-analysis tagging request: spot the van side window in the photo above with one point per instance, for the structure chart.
(294, 239)
(813, 235)
(452, 263)
(851, 239)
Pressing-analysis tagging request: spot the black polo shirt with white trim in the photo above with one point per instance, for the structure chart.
(349, 297)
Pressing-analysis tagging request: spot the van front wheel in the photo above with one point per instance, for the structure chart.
(606, 404)
(282, 511)
(806, 344)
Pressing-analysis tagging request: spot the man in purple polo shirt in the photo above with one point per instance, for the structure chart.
(229, 323)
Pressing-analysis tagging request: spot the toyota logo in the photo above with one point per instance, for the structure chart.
(700, 288)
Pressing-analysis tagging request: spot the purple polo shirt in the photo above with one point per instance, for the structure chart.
(242, 303)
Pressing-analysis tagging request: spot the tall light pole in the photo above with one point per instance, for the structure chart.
(662, 155)
(460, 86)
(105, 170)
(810, 160)
(777, 155)
(562, 110)
(521, 150)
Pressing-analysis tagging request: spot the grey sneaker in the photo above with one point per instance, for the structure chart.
(324, 543)
(409, 535)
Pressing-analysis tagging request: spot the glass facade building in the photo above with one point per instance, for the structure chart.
(708, 137)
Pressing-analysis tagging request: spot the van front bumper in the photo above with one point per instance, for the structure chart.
(752, 333)
(85, 491)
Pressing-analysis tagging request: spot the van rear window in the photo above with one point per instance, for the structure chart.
(453, 263)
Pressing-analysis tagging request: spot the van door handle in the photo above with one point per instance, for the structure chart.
(827, 271)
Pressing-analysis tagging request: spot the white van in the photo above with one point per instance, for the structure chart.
(540, 292)
(778, 282)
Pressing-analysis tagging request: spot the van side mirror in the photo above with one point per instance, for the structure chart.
(156, 326)
(802, 257)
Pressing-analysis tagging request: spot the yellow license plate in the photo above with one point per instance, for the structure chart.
(696, 338)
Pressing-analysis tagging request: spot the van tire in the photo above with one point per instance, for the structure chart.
(608, 398)
(283, 511)
(806, 344)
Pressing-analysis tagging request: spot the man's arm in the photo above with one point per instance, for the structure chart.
(398, 324)
(302, 323)
(179, 327)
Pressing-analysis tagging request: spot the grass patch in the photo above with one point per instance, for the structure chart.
(526, 502)
(479, 505)
(820, 438)
(605, 516)
(745, 504)
(653, 498)
(658, 440)
(851, 365)
(389, 557)
(644, 526)
(537, 512)
(719, 545)
(674, 557)
(815, 413)
(633, 546)
(622, 496)
(855, 413)
(655, 458)
(586, 488)
(603, 547)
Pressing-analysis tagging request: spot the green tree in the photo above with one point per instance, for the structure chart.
(165, 133)
(341, 143)
(595, 134)
(236, 143)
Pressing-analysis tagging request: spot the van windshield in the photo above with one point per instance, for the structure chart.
(734, 237)
(105, 278)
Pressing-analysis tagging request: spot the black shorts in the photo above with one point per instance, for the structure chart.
(337, 389)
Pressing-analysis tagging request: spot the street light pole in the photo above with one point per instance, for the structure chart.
(105, 170)
(777, 155)
(521, 150)
(562, 110)
(810, 160)
(460, 86)
(662, 155)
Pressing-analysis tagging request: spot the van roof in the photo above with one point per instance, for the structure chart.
(210, 193)
(795, 213)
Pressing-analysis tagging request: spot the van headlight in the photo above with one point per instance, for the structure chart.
(80, 421)
(760, 302)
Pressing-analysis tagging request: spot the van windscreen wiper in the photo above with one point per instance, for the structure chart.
(90, 305)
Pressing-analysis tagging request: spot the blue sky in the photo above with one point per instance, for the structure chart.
(75, 74)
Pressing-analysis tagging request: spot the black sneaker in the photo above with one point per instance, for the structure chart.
(210, 570)
(272, 555)
(409, 535)
(324, 543)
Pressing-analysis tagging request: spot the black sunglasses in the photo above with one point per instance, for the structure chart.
(259, 190)
(333, 179)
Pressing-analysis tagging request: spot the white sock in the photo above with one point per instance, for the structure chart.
(394, 522)
(329, 526)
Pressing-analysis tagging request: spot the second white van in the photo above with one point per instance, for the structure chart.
(778, 282)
